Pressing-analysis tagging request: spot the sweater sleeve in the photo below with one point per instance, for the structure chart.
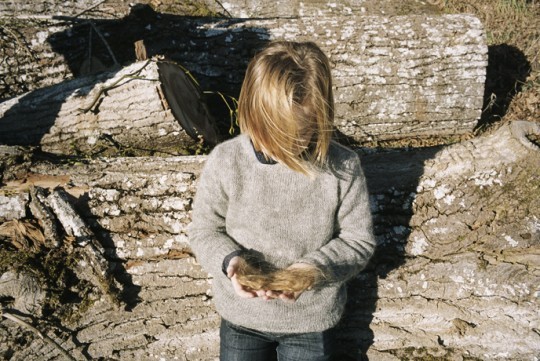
(354, 243)
(207, 232)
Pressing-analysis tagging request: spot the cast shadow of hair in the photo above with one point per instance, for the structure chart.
(392, 178)
(217, 59)
(507, 71)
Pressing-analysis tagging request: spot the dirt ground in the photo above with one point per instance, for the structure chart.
(513, 74)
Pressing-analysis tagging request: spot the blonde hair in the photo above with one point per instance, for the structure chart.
(279, 280)
(287, 97)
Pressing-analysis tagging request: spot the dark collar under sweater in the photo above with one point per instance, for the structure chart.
(261, 157)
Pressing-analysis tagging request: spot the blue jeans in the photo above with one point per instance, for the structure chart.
(243, 344)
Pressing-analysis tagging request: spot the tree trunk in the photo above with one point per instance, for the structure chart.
(123, 113)
(468, 283)
(402, 78)
(288, 8)
(454, 277)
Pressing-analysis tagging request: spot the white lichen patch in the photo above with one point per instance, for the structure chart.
(285, 32)
(457, 278)
(512, 242)
(441, 191)
(91, 140)
(426, 184)
(174, 203)
(175, 225)
(449, 199)
(109, 195)
(534, 225)
(441, 230)
(486, 178)
(41, 38)
(419, 246)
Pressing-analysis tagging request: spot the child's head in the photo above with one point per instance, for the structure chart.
(286, 104)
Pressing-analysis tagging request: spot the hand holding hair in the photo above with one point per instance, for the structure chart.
(235, 264)
(286, 284)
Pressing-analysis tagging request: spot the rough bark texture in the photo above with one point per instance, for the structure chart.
(287, 8)
(455, 276)
(394, 76)
(35, 53)
(122, 112)
(469, 282)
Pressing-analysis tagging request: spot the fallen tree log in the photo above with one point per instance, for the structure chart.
(467, 281)
(287, 8)
(455, 274)
(403, 77)
(126, 112)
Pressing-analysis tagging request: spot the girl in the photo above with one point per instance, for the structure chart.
(284, 194)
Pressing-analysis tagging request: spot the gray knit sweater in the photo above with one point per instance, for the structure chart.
(242, 203)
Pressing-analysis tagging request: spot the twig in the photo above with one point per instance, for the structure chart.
(111, 86)
(34, 17)
(75, 19)
(12, 33)
(223, 7)
(44, 337)
(232, 112)
(90, 8)
(104, 41)
(90, 49)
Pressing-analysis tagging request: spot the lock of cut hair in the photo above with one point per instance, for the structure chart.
(257, 276)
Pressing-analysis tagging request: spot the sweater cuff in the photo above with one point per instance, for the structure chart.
(228, 258)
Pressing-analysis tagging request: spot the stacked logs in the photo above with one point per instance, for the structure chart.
(455, 272)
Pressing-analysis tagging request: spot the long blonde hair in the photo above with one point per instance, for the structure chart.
(286, 104)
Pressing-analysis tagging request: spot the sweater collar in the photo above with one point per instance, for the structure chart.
(261, 157)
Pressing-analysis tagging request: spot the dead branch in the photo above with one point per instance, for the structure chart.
(92, 264)
(113, 85)
(40, 210)
(90, 8)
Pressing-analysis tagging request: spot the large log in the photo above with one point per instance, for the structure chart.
(39, 51)
(465, 281)
(395, 77)
(39, 47)
(126, 112)
(288, 8)
(455, 275)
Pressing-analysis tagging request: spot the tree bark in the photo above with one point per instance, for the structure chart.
(468, 283)
(399, 77)
(120, 113)
(455, 274)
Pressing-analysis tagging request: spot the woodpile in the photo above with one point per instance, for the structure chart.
(457, 259)
(408, 78)
(95, 262)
